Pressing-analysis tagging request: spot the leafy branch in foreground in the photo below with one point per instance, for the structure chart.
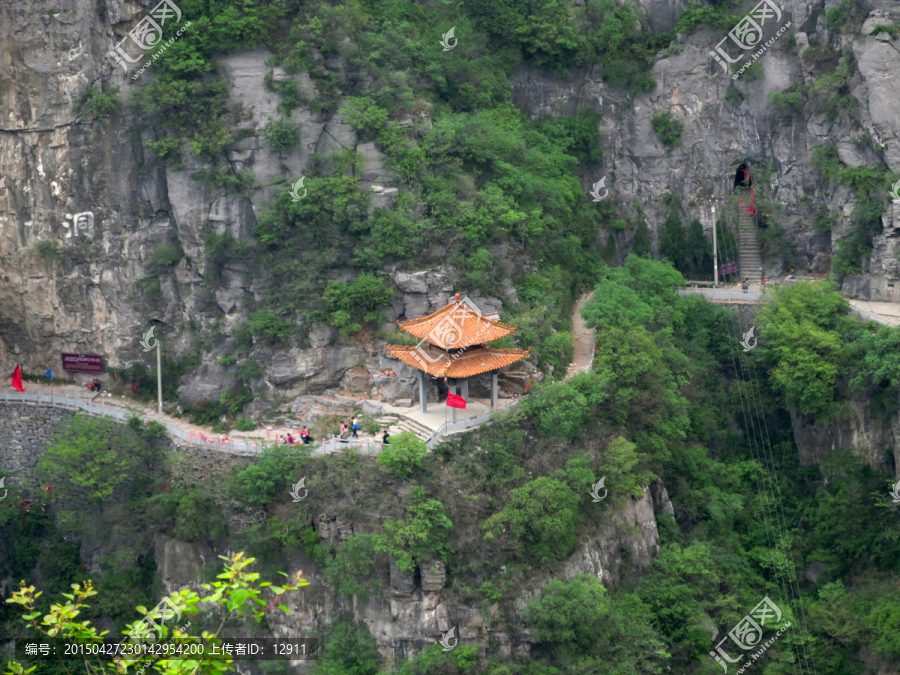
(236, 595)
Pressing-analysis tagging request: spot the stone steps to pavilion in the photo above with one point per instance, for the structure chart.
(406, 424)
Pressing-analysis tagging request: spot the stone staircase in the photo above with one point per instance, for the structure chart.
(398, 424)
(748, 248)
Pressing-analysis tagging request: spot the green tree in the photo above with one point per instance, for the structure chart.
(668, 129)
(364, 115)
(640, 243)
(611, 254)
(673, 242)
(351, 570)
(349, 650)
(879, 369)
(799, 338)
(577, 618)
(698, 251)
(360, 298)
(541, 516)
(404, 455)
(422, 535)
(259, 483)
(614, 303)
(884, 623)
(558, 410)
(626, 468)
(91, 460)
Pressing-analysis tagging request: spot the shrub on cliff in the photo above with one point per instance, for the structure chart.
(423, 535)
(579, 618)
(541, 517)
(90, 461)
(403, 455)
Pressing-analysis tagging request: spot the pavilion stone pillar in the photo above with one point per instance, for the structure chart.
(422, 391)
(464, 386)
(453, 391)
(494, 393)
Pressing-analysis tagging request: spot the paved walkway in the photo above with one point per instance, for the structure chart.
(438, 413)
(437, 417)
(583, 339)
(887, 313)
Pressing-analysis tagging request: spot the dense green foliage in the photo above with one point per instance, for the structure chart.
(672, 400)
(489, 178)
(404, 455)
(667, 400)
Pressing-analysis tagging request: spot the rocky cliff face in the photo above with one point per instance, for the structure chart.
(96, 190)
(717, 134)
(412, 611)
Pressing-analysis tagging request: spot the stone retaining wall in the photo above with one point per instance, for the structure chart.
(25, 432)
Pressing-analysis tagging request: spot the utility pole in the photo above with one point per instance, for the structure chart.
(159, 375)
(715, 251)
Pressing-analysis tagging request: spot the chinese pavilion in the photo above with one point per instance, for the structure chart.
(452, 346)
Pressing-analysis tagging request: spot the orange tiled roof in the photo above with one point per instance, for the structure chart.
(439, 363)
(456, 326)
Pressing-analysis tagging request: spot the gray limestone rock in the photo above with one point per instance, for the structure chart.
(633, 527)
(433, 576)
(402, 583)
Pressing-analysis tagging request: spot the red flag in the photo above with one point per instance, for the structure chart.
(17, 379)
(454, 401)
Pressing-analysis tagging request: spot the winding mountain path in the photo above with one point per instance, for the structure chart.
(582, 338)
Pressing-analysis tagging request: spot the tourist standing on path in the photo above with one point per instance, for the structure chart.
(355, 427)
(343, 433)
(384, 439)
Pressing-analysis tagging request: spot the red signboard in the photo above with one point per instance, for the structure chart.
(728, 268)
(85, 363)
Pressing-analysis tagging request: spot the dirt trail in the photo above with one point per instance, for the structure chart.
(582, 338)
